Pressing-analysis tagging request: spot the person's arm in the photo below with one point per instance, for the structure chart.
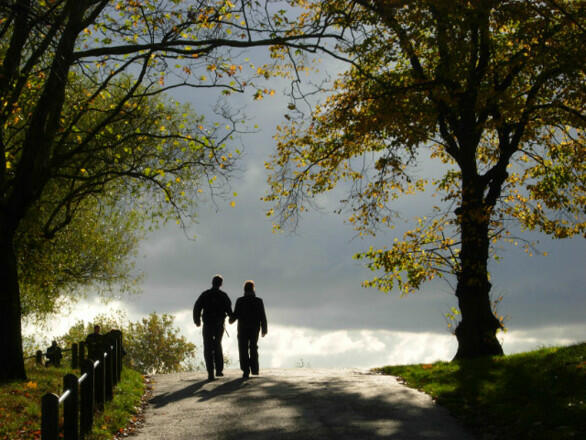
(235, 315)
(197, 311)
(229, 308)
(263, 318)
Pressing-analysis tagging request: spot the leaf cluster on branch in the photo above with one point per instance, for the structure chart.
(492, 91)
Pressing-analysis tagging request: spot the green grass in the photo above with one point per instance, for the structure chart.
(122, 409)
(535, 395)
(20, 403)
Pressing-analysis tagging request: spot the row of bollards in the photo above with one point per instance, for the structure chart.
(82, 396)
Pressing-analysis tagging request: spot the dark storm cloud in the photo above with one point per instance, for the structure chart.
(309, 279)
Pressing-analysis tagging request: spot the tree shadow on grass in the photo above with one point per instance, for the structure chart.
(521, 396)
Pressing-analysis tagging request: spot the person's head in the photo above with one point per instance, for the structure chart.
(54, 343)
(249, 286)
(96, 329)
(217, 281)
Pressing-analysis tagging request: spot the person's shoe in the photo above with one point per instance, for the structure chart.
(245, 375)
(255, 373)
(220, 374)
(211, 377)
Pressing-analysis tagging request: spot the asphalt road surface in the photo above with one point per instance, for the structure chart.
(293, 404)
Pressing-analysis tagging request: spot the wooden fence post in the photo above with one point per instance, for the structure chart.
(115, 372)
(100, 382)
(49, 417)
(111, 341)
(74, 358)
(81, 354)
(109, 370)
(118, 335)
(70, 408)
(87, 398)
(116, 360)
(81, 396)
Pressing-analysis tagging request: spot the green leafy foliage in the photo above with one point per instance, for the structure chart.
(153, 344)
(491, 91)
(494, 90)
(94, 251)
(83, 116)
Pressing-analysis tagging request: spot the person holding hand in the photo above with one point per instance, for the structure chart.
(215, 305)
(251, 316)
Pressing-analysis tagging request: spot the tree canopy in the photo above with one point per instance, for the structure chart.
(494, 91)
(94, 251)
(154, 345)
(81, 110)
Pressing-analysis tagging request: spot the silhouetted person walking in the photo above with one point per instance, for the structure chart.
(250, 313)
(216, 305)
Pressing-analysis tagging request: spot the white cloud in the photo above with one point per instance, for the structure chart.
(518, 341)
(292, 346)
(288, 347)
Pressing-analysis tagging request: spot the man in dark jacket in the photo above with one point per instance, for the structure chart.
(95, 344)
(54, 355)
(215, 305)
(251, 316)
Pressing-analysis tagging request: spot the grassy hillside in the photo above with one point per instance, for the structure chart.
(20, 404)
(535, 395)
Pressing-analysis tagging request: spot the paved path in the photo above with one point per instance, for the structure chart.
(293, 404)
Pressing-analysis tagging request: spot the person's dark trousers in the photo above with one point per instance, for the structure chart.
(248, 350)
(212, 347)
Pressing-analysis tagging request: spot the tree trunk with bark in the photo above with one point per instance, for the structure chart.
(476, 332)
(12, 365)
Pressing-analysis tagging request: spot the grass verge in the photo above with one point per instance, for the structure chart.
(123, 408)
(20, 404)
(535, 395)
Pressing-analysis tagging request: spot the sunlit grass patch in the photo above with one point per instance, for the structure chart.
(20, 403)
(122, 409)
(533, 395)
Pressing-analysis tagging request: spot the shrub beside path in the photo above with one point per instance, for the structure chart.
(293, 404)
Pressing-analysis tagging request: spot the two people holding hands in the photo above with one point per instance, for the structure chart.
(250, 313)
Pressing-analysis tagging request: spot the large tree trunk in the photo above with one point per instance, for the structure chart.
(12, 365)
(476, 332)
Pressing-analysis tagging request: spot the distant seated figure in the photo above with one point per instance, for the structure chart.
(53, 355)
(94, 343)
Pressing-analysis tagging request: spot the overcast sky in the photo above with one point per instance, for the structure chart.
(317, 311)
